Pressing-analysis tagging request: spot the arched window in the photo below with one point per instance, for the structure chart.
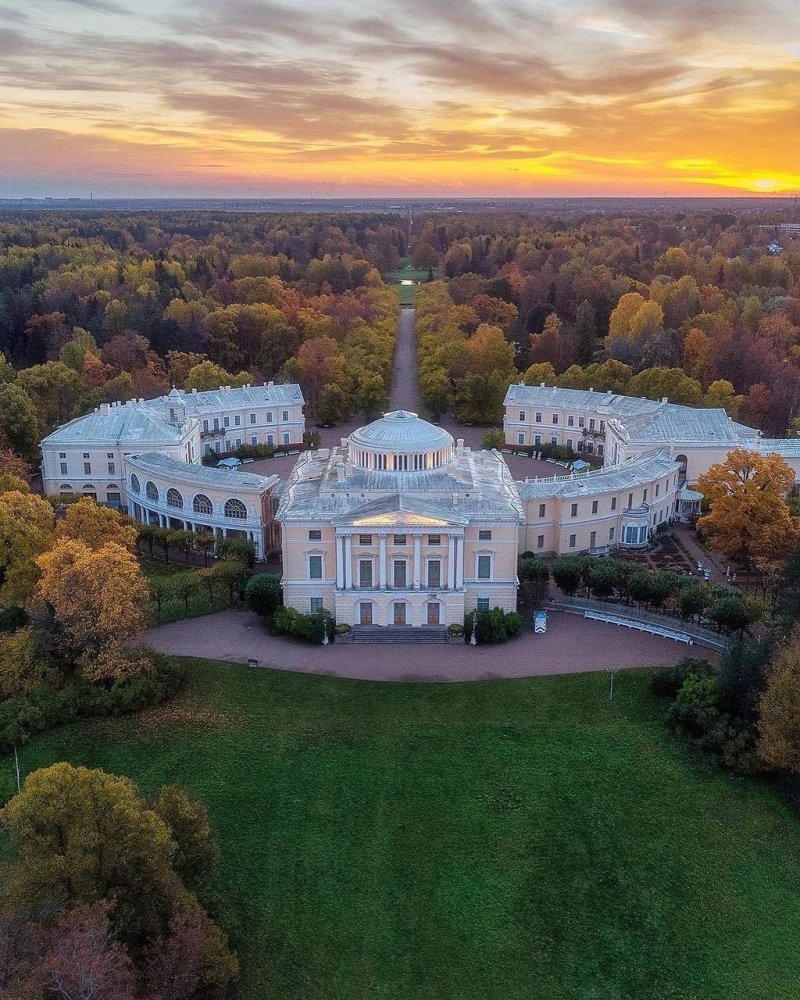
(135, 487)
(202, 505)
(88, 487)
(235, 508)
(174, 499)
(66, 488)
(151, 491)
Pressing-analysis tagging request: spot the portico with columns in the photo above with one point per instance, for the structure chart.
(400, 526)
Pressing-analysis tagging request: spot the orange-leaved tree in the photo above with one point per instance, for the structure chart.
(26, 531)
(95, 526)
(748, 517)
(99, 597)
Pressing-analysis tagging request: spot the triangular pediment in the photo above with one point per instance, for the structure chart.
(398, 511)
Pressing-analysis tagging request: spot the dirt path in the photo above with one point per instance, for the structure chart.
(404, 394)
(571, 645)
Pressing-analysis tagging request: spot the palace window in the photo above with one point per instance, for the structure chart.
(285, 416)
(269, 417)
(435, 573)
(205, 426)
(540, 542)
(226, 421)
(63, 468)
(316, 605)
(570, 421)
(87, 468)
(484, 536)
(152, 491)
(542, 509)
(286, 438)
(315, 567)
(484, 567)
(434, 539)
(399, 539)
(594, 506)
(555, 418)
(521, 414)
(483, 604)
(237, 420)
(202, 505)
(135, 487)
(365, 539)
(574, 510)
(174, 499)
(252, 418)
(365, 573)
(399, 573)
(235, 508)
(538, 418)
(315, 535)
(111, 469)
(613, 503)
(572, 541)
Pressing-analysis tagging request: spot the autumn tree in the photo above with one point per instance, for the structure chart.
(191, 960)
(779, 709)
(19, 430)
(98, 597)
(86, 521)
(207, 375)
(80, 836)
(748, 516)
(26, 532)
(83, 958)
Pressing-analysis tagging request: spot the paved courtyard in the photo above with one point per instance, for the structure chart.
(571, 645)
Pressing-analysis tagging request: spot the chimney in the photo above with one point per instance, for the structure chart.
(194, 392)
(105, 409)
(665, 399)
(591, 388)
(541, 385)
(460, 447)
(270, 385)
(341, 472)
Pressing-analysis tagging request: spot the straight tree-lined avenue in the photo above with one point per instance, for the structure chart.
(405, 382)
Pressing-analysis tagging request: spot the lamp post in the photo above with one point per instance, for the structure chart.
(473, 639)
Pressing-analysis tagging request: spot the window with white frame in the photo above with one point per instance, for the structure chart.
(434, 573)
(611, 534)
(572, 541)
(538, 418)
(399, 573)
(63, 468)
(594, 506)
(483, 604)
(226, 421)
(174, 499)
(152, 491)
(285, 416)
(521, 437)
(484, 535)
(315, 535)
(542, 509)
(286, 437)
(315, 567)
(555, 418)
(484, 567)
(87, 468)
(521, 414)
(365, 539)
(252, 418)
(540, 542)
(269, 416)
(574, 510)
(316, 605)
(235, 508)
(399, 539)
(202, 505)
(570, 421)
(135, 487)
(205, 426)
(237, 420)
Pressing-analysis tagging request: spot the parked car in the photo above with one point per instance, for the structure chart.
(539, 621)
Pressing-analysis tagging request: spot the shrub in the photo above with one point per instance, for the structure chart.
(696, 709)
(306, 628)
(493, 438)
(493, 626)
(453, 629)
(263, 593)
(666, 683)
(343, 629)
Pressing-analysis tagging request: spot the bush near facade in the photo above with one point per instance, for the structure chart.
(307, 628)
(264, 594)
(170, 540)
(492, 627)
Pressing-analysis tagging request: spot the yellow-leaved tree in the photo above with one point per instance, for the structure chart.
(95, 526)
(98, 597)
(779, 709)
(26, 531)
(749, 518)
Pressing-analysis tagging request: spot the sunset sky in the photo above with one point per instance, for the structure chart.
(254, 98)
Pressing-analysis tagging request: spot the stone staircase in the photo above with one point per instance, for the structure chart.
(399, 633)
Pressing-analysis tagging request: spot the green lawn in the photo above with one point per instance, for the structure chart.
(517, 840)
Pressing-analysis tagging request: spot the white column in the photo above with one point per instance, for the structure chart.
(339, 563)
(382, 561)
(451, 558)
(348, 562)
(417, 560)
(459, 563)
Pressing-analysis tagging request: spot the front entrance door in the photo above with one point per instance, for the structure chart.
(433, 614)
(365, 613)
(400, 613)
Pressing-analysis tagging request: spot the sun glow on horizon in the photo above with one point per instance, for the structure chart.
(343, 98)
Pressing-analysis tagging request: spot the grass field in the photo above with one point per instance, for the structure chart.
(513, 839)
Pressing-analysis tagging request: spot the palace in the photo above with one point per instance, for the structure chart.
(400, 524)
(146, 456)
